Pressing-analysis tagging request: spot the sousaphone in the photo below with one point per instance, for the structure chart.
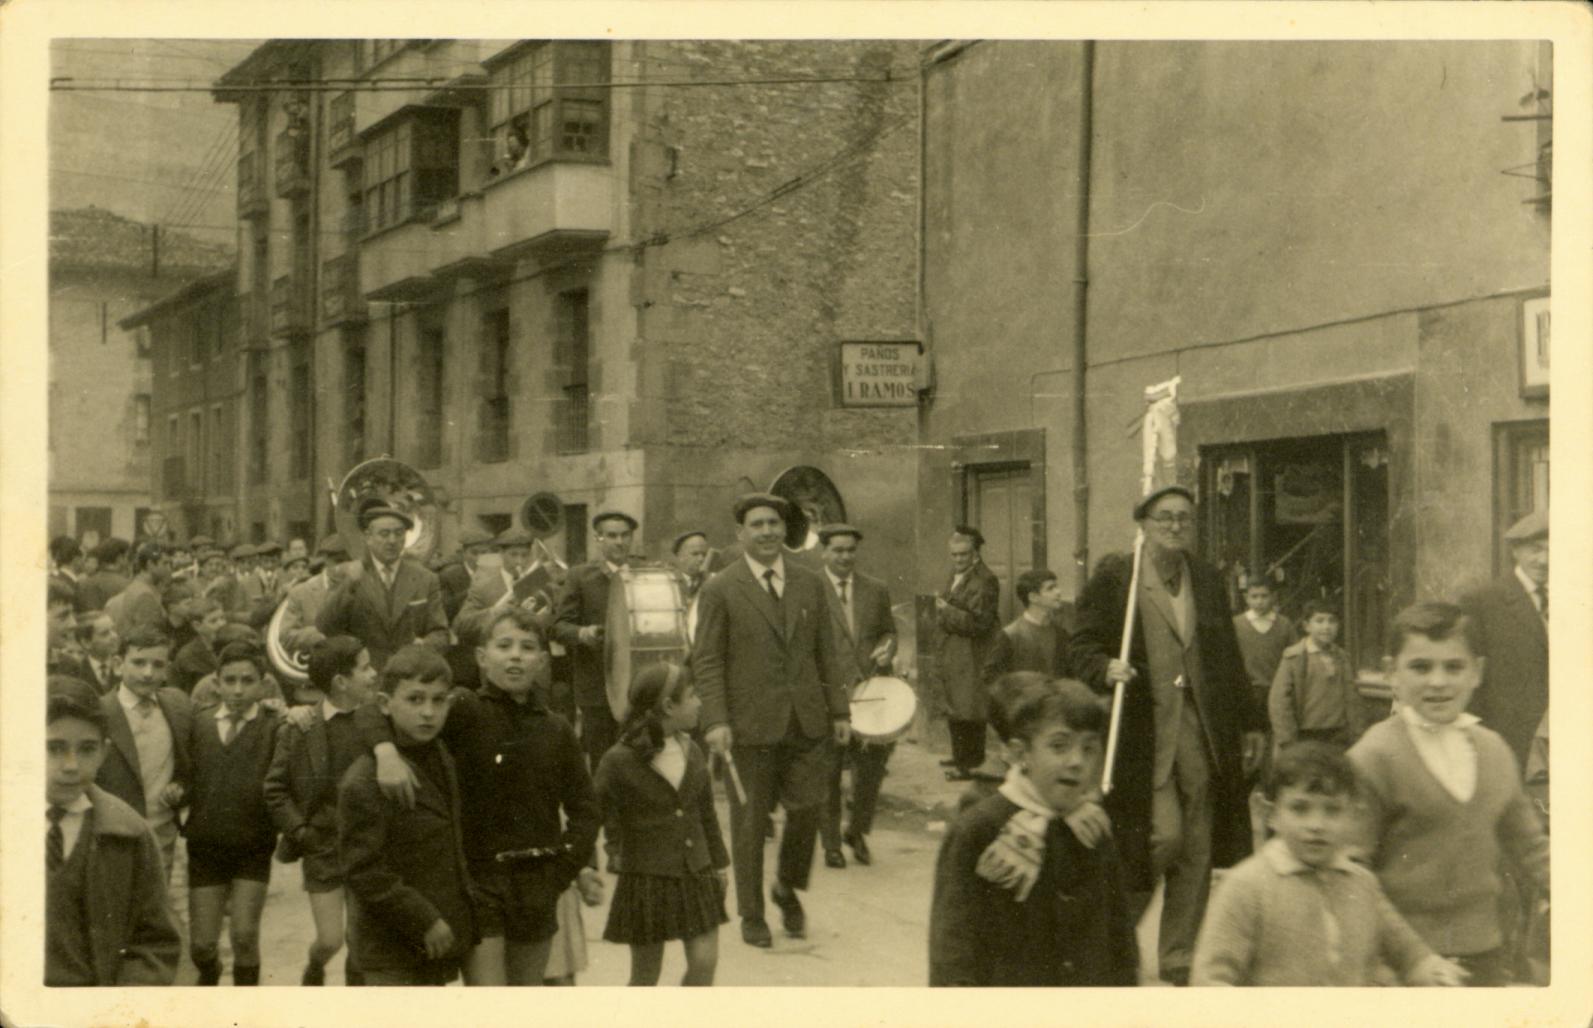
(814, 500)
(396, 484)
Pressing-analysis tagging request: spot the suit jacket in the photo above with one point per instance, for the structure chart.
(651, 827)
(300, 790)
(404, 868)
(968, 628)
(756, 662)
(130, 926)
(486, 589)
(1515, 687)
(137, 606)
(303, 606)
(119, 774)
(387, 621)
(455, 580)
(1022, 646)
(871, 609)
(1222, 696)
(95, 591)
(81, 668)
(585, 602)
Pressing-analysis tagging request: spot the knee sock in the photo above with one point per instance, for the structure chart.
(208, 963)
(246, 974)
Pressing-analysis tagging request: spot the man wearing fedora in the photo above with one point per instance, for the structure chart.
(1191, 731)
(774, 702)
(393, 601)
(583, 610)
(1512, 618)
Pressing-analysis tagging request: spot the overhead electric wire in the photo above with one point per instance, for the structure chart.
(72, 84)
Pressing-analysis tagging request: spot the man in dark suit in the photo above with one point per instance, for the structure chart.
(774, 701)
(689, 554)
(1191, 730)
(865, 637)
(1512, 617)
(393, 601)
(146, 766)
(583, 611)
(140, 605)
(101, 662)
(96, 590)
(492, 584)
(457, 573)
(968, 615)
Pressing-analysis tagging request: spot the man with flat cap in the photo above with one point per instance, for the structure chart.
(689, 554)
(460, 570)
(494, 585)
(578, 627)
(1512, 619)
(393, 600)
(1191, 730)
(774, 701)
(306, 599)
(865, 638)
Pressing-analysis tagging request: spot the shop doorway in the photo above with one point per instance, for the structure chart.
(1000, 503)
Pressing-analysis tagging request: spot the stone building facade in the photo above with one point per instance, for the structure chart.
(616, 271)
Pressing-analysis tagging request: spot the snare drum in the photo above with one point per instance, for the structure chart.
(882, 709)
(646, 624)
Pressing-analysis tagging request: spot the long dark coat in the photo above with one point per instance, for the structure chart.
(1224, 701)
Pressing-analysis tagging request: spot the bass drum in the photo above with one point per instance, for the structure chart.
(646, 624)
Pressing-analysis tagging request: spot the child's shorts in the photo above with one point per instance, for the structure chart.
(519, 901)
(219, 865)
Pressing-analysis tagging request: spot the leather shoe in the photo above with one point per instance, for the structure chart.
(949, 762)
(791, 913)
(755, 932)
(834, 858)
(860, 851)
(959, 774)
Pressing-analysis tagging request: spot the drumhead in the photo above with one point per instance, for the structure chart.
(646, 624)
(883, 708)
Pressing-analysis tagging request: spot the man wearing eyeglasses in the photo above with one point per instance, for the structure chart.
(583, 609)
(1191, 732)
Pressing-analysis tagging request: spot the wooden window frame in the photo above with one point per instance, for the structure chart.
(535, 91)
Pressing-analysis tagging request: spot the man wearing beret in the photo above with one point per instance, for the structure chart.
(493, 586)
(865, 637)
(393, 601)
(774, 701)
(969, 618)
(1512, 618)
(1191, 731)
(583, 609)
(460, 570)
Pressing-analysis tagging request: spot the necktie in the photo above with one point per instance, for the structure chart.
(229, 728)
(55, 841)
(146, 706)
(768, 578)
(846, 603)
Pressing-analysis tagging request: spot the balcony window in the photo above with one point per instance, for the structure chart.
(411, 167)
(550, 101)
(340, 121)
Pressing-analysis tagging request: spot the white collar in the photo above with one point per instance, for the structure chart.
(223, 712)
(758, 569)
(330, 710)
(1281, 859)
(839, 581)
(1415, 720)
(79, 806)
(1528, 584)
(612, 567)
(1312, 647)
(1040, 621)
(67, 574)
(128, 698)
(1261, 622)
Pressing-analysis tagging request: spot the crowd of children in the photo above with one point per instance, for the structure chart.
(449, 832)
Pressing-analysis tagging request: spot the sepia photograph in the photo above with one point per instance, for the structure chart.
(674, 503)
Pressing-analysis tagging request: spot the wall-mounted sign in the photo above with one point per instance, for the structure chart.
(879, 374)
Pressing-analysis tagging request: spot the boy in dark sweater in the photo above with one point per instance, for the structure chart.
(229, 829)
(106, 918)
(1020, 899)
(404, 866)
(301, 789)
(197, 658)
(530, 814)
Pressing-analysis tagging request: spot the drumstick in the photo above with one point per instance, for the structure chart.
(735, 778)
